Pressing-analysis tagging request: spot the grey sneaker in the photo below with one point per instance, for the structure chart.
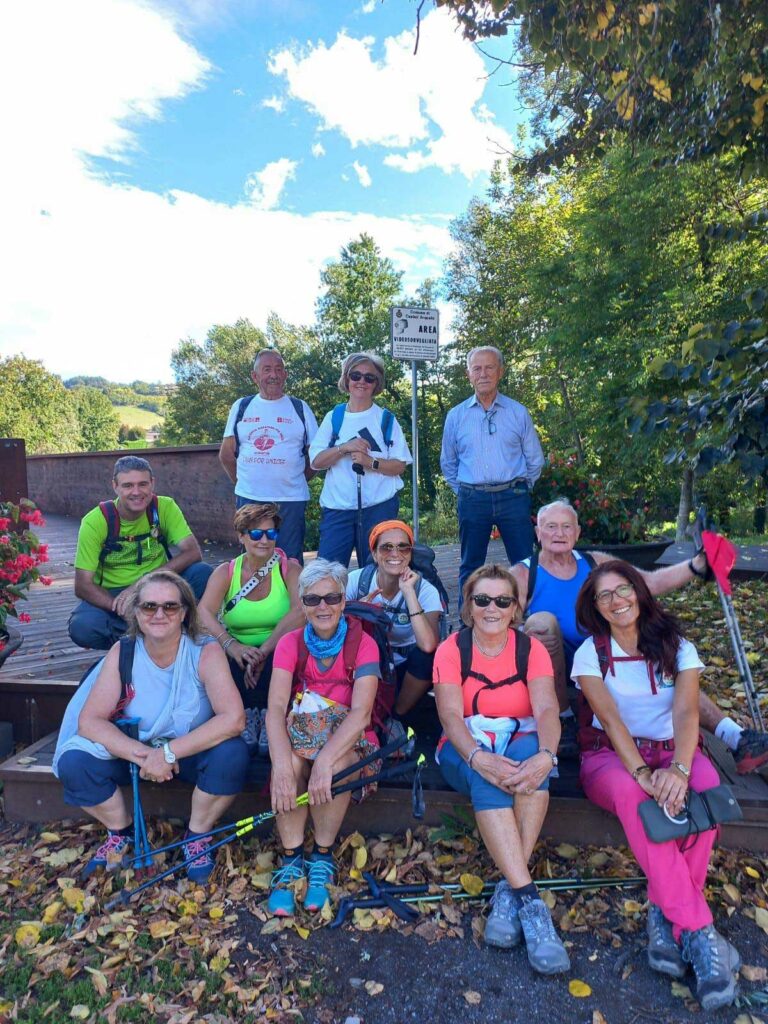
(715, 963)
(664, 954)
(250, 734)
(263, 738)
(503, 926)
(546, 953)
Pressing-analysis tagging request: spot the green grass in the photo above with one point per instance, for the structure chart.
(133, 416)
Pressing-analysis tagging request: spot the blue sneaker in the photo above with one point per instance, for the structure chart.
(109, 856)
(282, 900)
(201, 869)
(321, 875)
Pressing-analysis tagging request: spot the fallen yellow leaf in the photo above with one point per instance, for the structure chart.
(374, 988)
(761, 918)
(361, 857)
(80, 1012)
(751, 872)
(219, 963)
(215, 913)
(681, 991)
(356, 840)
(732, 893)
(632, 907)
(471, 884)
(579, 989)
(52, 912)
(566, 851)
(74, 899)
(162, 929)
(27, 935)
(303, 933)
(50, 837)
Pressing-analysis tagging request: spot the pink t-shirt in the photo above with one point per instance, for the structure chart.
(331, 683)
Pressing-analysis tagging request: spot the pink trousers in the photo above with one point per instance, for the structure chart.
(675, 878)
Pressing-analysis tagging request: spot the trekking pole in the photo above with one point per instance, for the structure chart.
(359, 469)
(143, 858)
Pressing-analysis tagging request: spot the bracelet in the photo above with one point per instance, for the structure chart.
(640, 770)
(695, 571)
(227, 643)
(477, 750)
(412, 615)
(220, 635)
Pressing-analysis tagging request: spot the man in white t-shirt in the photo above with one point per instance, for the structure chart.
(264, 451)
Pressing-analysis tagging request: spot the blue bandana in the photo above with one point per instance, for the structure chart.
(319, 647)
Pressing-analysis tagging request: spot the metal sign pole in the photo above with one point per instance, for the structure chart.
(415, 452)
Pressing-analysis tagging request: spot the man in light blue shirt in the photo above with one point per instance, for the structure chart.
(491, 458)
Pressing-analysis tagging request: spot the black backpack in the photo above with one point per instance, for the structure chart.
(522, 656)
(297, 404)
(533, 568)
(125, 668)
(114, 542)
(422, 562)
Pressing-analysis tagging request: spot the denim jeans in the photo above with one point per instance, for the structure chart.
(293, 524)
(479, 512)
(90, 626)
(339, 530)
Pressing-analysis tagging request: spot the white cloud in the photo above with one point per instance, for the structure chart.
(429, 104)
(276, 103)
(318, 149)
(368, 7)
(363, 175)
(103, 278)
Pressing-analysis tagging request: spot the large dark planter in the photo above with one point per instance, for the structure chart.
(13, 643)
(642, 556)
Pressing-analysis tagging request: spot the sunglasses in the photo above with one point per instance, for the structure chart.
(403, 548)
(489, 420)
(313, 600)
(624, 590)
(369, 378)
(169, 607)
(271, 534)
(483, 600)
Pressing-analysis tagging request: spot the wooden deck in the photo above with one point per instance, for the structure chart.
(38, 680)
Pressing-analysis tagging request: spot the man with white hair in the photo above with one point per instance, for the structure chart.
(491, 457)
(549, 584)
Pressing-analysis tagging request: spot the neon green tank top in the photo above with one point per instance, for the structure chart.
(251, 622)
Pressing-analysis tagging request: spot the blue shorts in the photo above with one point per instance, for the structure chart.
(418, 663)
(89, 781)
(483, 794)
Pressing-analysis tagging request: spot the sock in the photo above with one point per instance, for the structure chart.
(322, 851)
(566, 714)
(127, 831)
(289, 854)
(526, 893)
(729, 732)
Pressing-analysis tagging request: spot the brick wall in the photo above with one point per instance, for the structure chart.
(73, 484)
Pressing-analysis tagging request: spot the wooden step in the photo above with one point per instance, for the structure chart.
(34, 707)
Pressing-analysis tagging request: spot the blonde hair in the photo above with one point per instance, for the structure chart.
(354, 360)
(190, 620)
(487, 572)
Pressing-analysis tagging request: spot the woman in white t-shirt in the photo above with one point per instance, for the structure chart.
(641, 679)
(363, 452)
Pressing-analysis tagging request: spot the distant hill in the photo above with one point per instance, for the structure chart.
(138, 404)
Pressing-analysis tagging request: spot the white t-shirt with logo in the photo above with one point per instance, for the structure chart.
(642, 711)
(340, 487)
(401, 633)
(270, 464)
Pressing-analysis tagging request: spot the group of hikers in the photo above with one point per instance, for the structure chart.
(263, 651)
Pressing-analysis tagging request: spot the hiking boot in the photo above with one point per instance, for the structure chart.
(546, 953)
(394, 730)
(282, 901)
(263, 738)
(109, 856)
(752, 751)
(503, 926)
(664, 954)
(250, 734)
(715, 963)
(321, 875)
(569, 742)
(201, 869)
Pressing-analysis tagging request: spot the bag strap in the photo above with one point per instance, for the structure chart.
(352, 646)
(365, 579)
(298, 405)
(387, 427)
(153, 517)
(125, 669)
(533, 568)
(589, 558)
(337, 419)
(252, 583)
(242, 406)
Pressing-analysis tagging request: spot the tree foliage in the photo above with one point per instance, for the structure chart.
(35, 405)
(99, 423)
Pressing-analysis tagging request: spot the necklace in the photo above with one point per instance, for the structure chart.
(488, 653)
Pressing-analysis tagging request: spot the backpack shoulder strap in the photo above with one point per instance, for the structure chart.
(153, 518)
(364, 581)
(464, 643)
(337, 418)
(352, 645)
(244, 403)
(109, 511)
(301, 664)
(125, 669)
(298, 405)
(588, 558)
(387, 426)
(533, 568)
(603, 648)
(522, 654)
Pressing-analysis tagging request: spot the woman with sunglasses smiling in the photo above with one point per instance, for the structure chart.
(321, 697)
(250, 602)
(363, 452)
(189, 715)
(495, 694)
(641, 679)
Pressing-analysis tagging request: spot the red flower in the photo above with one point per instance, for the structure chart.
(46, 580)
(25, 617)
(4, 523)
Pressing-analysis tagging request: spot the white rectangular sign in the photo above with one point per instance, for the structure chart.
(414, 333)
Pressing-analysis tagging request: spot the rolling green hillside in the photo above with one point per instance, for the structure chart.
(133, 416)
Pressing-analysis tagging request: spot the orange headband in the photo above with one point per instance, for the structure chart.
(388, 524)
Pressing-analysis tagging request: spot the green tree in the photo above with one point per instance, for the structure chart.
(35, 405)
(99, 423)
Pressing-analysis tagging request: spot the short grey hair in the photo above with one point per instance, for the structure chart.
(322, 569)
(267, 352)
(132, 464)
(560, 503)
(485, 348)
(354, 360)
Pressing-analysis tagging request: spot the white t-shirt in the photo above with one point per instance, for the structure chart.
(270, 465)
(643, 712)
(401, 630)
(340, 487)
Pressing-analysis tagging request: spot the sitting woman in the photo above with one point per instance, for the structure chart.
(412, 604)
(190, 717)
(318, 722)
(496, 701)
(250, 602)
(641, 679)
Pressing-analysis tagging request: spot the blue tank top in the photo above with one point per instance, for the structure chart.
(558, 597)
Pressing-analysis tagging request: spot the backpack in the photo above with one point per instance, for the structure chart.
(337, 418)
(125, 668)
(114, 542)
(533, 568)
(361, 618)
(422, 562)
(297, 404)
(522, 655)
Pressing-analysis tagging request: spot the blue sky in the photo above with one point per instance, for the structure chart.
(179, 163)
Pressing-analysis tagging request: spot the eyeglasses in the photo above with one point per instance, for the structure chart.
(356, 376)
(313, 600)
(489, 420)
(271, 534)
(483, 600)
(169, 607)
(403, 548)
(624, 590)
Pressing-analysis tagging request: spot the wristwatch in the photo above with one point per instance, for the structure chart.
(683, 769)
(170, 757)
(375, 463)
(555, 760)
